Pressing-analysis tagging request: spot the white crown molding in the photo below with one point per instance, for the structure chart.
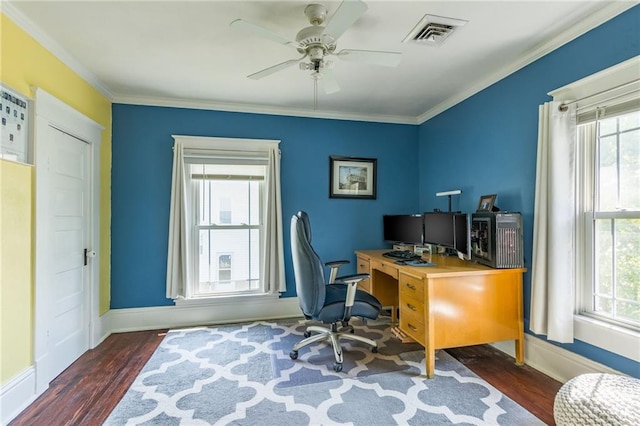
(11, 12)
(259, 109)
(608, 12)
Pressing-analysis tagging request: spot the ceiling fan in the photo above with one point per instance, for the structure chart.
(317, 42)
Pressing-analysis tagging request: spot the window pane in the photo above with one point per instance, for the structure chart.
(617, 284)
(608, 126)
(630, 170)
(628, 311)
(228, 202)
(627, 236)
(604, 258)
(608, 173)
(228, 194)
(630, 121)
(228, 260)
(619, 157)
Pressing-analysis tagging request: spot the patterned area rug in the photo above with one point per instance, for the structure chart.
(242, 374)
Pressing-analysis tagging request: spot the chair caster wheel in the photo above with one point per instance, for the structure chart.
(307, 334)
(337, 367)
(374, 349)
(293, 354)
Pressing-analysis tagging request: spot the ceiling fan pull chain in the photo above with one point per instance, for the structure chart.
(315, 93)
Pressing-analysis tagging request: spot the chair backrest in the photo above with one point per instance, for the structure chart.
(307, 266)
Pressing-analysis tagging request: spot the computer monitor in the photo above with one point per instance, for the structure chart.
(447, 229)
(403, 228)
(439, 229)
(462, 232)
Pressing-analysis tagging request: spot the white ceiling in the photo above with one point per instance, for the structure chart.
(186, 54)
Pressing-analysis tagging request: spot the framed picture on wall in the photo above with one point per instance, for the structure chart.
(486, 203)
(351, 177)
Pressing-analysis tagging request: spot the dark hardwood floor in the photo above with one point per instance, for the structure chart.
(86, 392)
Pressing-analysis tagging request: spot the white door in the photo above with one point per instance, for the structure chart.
(67, 172)
(69, 183)
(64, 181)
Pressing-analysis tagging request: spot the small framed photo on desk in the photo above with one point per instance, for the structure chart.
(486, 203)
(352, 177)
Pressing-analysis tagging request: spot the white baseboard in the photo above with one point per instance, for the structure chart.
(136, 319)
(17, 394)
(553, 360)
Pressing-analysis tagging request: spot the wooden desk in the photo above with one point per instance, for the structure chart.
(455, 303)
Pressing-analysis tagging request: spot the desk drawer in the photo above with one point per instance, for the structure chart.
(412, 309)
(364, 268)
(411, 287)
(413, 329)
(388, 268)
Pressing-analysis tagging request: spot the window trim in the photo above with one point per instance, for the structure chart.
(590, 91)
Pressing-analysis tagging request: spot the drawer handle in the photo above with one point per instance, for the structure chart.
(412, 327)
(410, 306)
(412, 287)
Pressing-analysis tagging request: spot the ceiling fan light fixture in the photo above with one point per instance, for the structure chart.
(316, 42)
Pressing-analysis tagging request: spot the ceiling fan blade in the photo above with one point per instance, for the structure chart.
(245, 26)
(347, 14)
(372, 57)
(328, 82)
(273, 69)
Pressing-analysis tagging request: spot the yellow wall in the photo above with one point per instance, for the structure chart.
(15, 270)
(25, 64)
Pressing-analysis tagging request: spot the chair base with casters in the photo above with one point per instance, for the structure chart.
(333, 335)
(342, 330)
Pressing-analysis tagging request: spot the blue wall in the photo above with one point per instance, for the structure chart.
(141, 186)
(487, 144)
(484, 145)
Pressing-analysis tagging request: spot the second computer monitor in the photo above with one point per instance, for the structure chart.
(447, 229)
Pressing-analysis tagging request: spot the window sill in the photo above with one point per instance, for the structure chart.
(607, 336)
(227, 300)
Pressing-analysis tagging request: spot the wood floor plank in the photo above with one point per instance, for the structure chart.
(87, 391)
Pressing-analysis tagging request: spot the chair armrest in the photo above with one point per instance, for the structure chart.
(352, 279)
(335, 265)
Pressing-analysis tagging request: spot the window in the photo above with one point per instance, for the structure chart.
(609, 148)
(225, 236)
(218, 227)
(604, 237)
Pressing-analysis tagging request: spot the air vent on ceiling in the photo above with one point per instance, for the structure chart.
(433, 30)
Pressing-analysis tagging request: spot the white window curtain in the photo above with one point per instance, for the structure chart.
(552, 277)
(178, 261)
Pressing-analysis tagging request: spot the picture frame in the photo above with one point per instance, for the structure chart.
(351, 177)
(486, 203)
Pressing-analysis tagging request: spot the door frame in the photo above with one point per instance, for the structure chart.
(52, 112)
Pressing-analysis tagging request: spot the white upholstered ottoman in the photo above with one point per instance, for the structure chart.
(598, 399)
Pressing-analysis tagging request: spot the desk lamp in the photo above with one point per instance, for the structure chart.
(449, 194)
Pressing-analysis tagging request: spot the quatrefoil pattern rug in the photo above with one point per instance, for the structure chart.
(241, 374)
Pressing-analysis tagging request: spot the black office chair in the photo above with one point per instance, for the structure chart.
(330, 303)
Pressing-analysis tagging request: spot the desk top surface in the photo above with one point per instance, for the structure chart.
(444, 265)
